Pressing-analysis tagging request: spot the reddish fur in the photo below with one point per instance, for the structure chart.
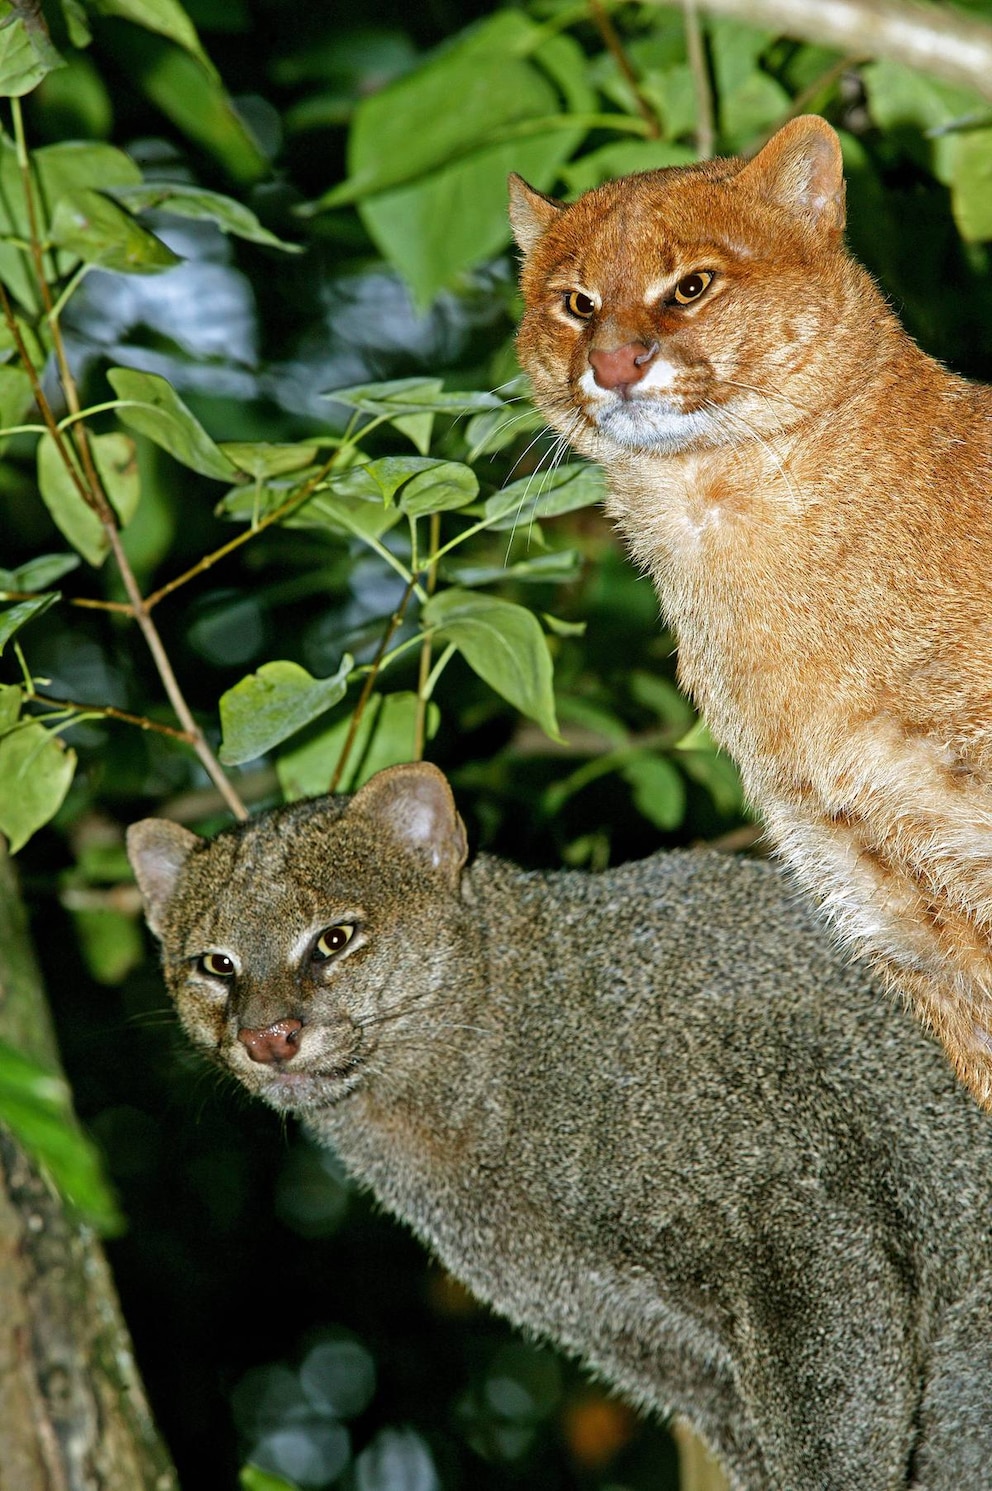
(824, 553)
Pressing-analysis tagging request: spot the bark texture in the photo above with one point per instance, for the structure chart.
(73, 1412)
(942, 42)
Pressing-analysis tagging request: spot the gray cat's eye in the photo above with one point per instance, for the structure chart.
(218, 965)
(332, 940)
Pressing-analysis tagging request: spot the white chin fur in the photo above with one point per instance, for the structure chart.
(637, 424)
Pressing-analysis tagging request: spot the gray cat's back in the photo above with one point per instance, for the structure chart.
(652, 1115)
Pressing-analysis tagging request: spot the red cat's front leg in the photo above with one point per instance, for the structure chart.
(898, 849)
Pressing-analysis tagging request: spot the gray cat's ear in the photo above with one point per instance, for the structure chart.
(802, 170)
(158, 850)
(531, 213)
(413, 805)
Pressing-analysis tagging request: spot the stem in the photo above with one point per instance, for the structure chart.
(153, 641)
(395, 621)
(438, 669)
(91, 490)
(109, 711)
(44, 408)
(611, 38)
(424, 672)
(99, 500)
(705, 131)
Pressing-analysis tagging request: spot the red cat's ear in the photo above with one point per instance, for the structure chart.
(801, 169)
(158, 850)
(413, 805)
(531, 213)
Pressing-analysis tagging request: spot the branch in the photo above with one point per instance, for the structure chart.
(613, 44)
(944, 43)
(72, 1407)
(705, 126)
(110, 712)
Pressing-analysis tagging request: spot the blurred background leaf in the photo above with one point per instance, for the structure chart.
(328, 335)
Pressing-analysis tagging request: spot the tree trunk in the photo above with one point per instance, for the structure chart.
(73, 1412)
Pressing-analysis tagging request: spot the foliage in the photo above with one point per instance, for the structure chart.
(268, 527)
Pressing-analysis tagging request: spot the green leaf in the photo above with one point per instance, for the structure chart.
(385, 737)
(186, 89)
(413, 395)
(736, 48)
(546, 494)
(971, 186)
(26, 51)
(261, 459)
(12, 618)
(96, 230)
(10, 706)
(918, 109)
(430, 179)
(445, 486)
(35, 772)
(272, 704)
(38, 574)
(58, 169)
(166, 17)
(36, 1105)
(504, 644)
(74, 165)
(76, 23)
(410, 128)
(74, 518)
(556, 568)
(110, 941)
(624, 158)
(753, 107)
(701, 760)
(156, 410)
(411, 404)
(253, 1479)
(197, 203)
(117, 462)
(16, 395)
(658, 789)
(353, 517)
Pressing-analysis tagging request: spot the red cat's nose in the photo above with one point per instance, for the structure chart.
(622, 367)
(278, 1042)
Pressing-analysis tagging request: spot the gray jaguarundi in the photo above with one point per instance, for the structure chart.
(649, 1115)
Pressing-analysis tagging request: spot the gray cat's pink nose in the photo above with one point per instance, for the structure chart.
(622, 367)
(278, 1042)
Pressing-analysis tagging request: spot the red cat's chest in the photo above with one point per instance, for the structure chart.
(752, 580)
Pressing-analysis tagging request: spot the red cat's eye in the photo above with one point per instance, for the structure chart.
(692, 286)
(580, 305)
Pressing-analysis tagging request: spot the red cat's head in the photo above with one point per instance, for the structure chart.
(686, 307)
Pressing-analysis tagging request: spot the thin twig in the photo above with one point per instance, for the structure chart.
(705, 129)
(170, 683)
(92, 493)
(292, 502)
(424, 672)
(110, 712)
(45, 409)
(79, 434)
(611, 39)
(392, 626)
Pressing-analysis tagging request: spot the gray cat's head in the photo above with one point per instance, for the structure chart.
(294, 944)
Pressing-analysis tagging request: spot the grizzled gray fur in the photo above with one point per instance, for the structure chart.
(649, 1115)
